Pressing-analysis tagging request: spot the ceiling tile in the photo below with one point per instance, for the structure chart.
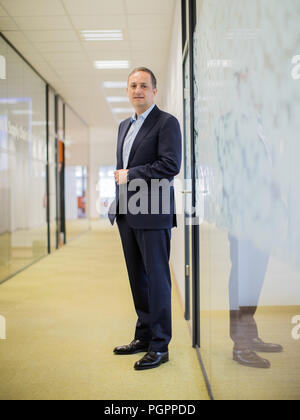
(33, 7)
(74, 76)
(99, 22)
(43, 23)
(51, 36)
(148, 46)
(109, 75)
(47, 72)
(53, 47)
(2, 12)
(7, 24)
(162, 21)
(94, 7)
(64, 56)
(146, 7)
(33, 57)
(26, 49)
(58, 85)
(106, 47)
(16, 38)
(150, 36)
(142, 59)
(72, 67)
(109, 55)
(67, 76)
(75, 64)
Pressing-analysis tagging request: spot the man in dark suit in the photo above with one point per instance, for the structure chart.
(149, 155)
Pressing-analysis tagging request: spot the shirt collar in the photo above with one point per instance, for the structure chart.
(142, 116)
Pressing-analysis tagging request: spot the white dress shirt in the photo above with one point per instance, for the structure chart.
(136, 125)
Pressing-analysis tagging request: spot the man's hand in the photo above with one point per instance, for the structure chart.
(121, 176)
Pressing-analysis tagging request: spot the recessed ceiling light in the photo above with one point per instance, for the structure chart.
(106, 35)
(115, 85)
(116, 99)
(111, 65)
(122, 110)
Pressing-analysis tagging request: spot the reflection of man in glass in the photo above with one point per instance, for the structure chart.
(248, 199)
(249, 267)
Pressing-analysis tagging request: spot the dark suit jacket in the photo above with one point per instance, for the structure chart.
(156, 154)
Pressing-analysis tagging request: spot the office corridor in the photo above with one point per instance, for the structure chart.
(65, 315)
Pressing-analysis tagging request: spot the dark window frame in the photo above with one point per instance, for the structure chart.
(189, 22)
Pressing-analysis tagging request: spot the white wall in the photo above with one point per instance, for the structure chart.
(173, 103)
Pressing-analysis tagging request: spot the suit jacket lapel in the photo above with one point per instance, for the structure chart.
(146, 127)
(122, 136)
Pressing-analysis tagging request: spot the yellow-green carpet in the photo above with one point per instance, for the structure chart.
(65, 315)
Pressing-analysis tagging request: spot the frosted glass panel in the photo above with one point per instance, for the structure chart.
(247, 112)
(23, 224)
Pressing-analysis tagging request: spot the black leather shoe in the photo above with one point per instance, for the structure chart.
(258, 345)
(136, 346)
(152, 360)
(250, 359)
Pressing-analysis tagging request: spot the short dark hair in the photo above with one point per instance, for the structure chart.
(145, 70)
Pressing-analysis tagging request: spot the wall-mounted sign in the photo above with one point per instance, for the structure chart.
(2, 67)
(2, 328)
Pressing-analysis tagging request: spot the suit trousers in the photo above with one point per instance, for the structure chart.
(249, 267)
(147, 255)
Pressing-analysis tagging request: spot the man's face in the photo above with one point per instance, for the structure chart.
(140, 91)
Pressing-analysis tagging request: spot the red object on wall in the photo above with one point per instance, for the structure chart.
(60, 152)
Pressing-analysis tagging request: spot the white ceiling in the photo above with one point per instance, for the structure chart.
(47, 33)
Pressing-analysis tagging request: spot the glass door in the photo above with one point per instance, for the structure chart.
(192, 273)
(187, 182)
(246, 137)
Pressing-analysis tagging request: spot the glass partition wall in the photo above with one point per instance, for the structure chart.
(32, 164)
(23, 154)
(246, 136)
